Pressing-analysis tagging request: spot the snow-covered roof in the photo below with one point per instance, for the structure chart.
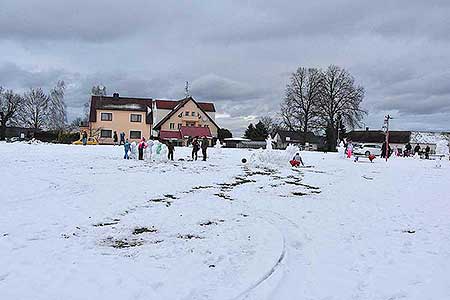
(123, 106)
(421, 137)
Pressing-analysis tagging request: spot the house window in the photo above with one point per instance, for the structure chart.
(179, 125)
(135, 118)
(106, 133)
(193, 113)
(135, 134)
(172, 125)
(106, 116)
(186, 113)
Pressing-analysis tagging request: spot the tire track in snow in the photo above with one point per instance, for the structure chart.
(265, 276)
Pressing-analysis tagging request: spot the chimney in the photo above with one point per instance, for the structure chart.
(116, 95)
(367, 128)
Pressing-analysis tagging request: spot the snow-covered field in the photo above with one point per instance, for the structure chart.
(82, 223)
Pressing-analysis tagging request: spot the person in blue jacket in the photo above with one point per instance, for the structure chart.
(127, 147)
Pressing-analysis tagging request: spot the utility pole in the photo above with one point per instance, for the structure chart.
(386, 128)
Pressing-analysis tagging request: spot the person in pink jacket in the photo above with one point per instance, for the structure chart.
(141, 146)
(349, 149)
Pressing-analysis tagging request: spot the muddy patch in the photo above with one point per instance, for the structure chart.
(122, 244)
(300, 194)
(293, 182)
(161, 200)
(189, 237)
(211, 222)
(107, 223)
(141, 230)
(224, 196)
(202, 187)
(309, 187)
(238, 181)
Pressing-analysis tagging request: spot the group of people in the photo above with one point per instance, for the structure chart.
(417, 150)
(196, 147)
(116, 138)
(145, 146)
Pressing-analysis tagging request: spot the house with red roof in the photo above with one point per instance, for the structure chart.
(175, 120)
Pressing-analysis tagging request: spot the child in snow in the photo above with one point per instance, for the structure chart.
(297, 160)
(126, 147)
(349, 149)
(142, 145)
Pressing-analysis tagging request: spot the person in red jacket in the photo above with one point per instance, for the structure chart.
(141, 146)
(297, 160)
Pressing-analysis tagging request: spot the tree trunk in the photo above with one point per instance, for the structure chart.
(2, 132)
(331, 138)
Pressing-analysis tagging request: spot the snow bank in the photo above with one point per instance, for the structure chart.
(272, 159)
(34, 141)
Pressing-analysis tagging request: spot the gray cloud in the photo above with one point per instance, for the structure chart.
(237, 54)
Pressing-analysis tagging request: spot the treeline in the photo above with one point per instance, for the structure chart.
(315, 100)
(35, 109)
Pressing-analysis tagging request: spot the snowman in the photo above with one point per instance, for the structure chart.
(133, 150)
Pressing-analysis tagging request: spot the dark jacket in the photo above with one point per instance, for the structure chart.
(204, 144)
(195, 145)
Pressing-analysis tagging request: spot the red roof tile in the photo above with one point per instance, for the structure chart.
(170, 104)
(166, 134)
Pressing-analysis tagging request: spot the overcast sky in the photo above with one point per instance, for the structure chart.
(238, 54)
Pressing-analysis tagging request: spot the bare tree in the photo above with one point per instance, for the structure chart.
(98, 90)
(339, 96)
(271, 124)
(9, 105)
(299, 109)
(34, 109)
(57, 115)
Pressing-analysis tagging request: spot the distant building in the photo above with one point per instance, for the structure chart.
(20, 132)
(176, 120)
(307, 141)
(235, 142)
(398, 139)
